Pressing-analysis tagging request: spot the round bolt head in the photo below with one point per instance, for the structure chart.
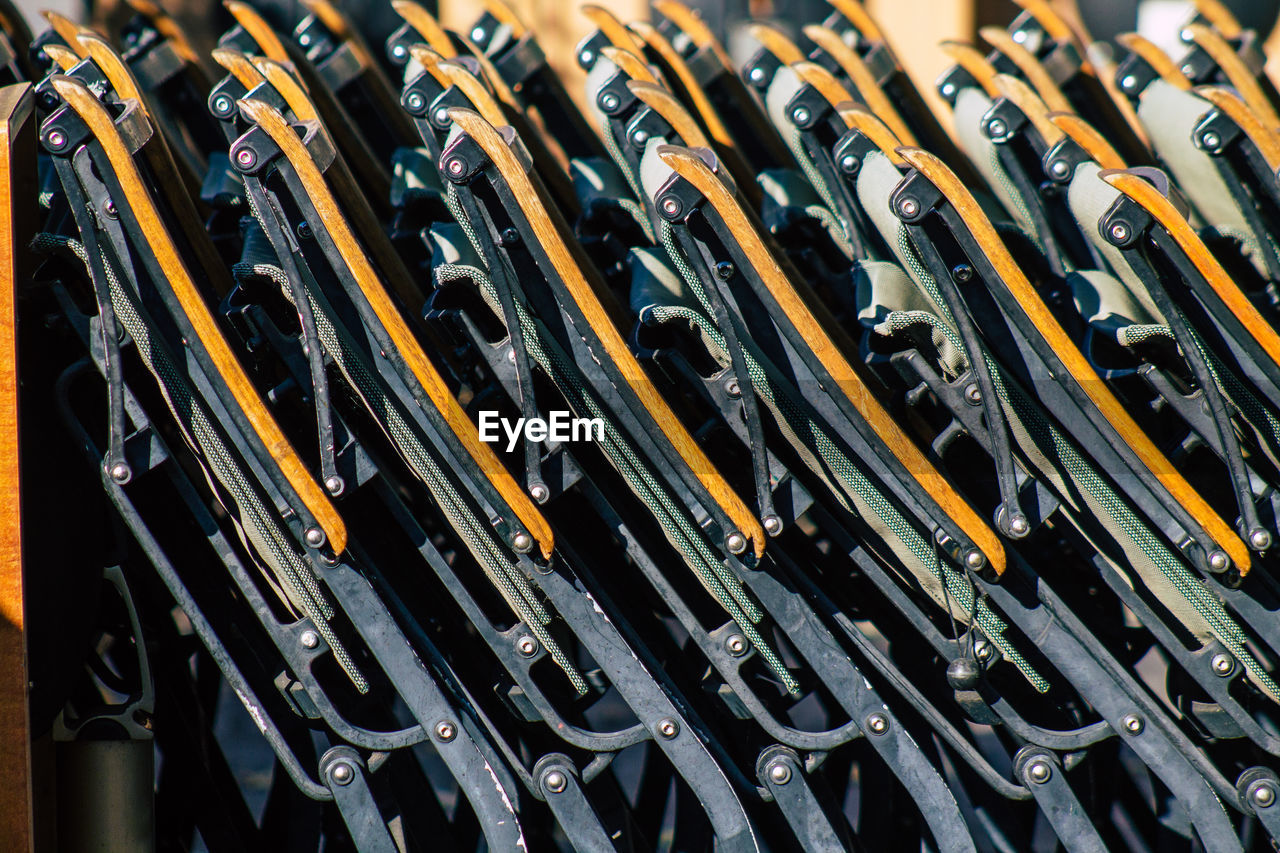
(314, 537)
(478, 34)
(983, 650)
(735, 542)
(446, 731)
(732, 388)
(772, 525)
(1020, 36)
(342, 773)
(1129, 83)
(456, 166)
(398, 52)
(724, 270)
(57, 139)
(948, 89)
(539, 492)
(1263, 796)
(1133, 724)
(756, 75)
(335, 485)
(522, 542)
(609, 102)
(909, 207)
(222, 105)
(555, 781)
(801, 115)
(996, 129)
(779, 773)
(1260, 539)
(414, 101)
(670, 207)
(877, 724)
(1218, 561)
(1039, 771)
(1222, 665)
(668, 728)
(962, 273)
(442, 117)
(1059, 168)
(963, 673)
(974, 559)
(1018, 525)
(120, 472)
(1210, 140)
(309, 639)
(640, 137)
(973, 395)
(736, 644)
(848, 163)
(1119, 232)
(246, 158)
(527, 646)
(586, 57)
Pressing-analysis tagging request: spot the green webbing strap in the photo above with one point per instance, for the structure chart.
(823, 455)
(678, 528)
(261, 528)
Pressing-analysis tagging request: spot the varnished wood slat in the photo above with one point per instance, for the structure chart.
(615, 346)
(430, 61)
(1226, 58)
(67, 30)
(1066, 351)
(1265, 139)
(269, 44)
(856, 14)
(1159, 61)
(283, 81)
(614, 30)
(974, 63)
(162, 246)
(869, 124)
(1219, 17)
(481, 98)
(691, 168)
(863, 80)
(776, 42)
(370, 284)
(65, 57)
(694, 27)
(239, 66)
(17, 216)
(668, 106)
(630, 64)
(1163, 211)
(707, 114)
(1050, 21)
(1022, 96)
(505, 15)
(425, 25)
(825, 83)
(1087, 137)
(1037, 75)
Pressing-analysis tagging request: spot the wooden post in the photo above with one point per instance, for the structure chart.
(17, 215)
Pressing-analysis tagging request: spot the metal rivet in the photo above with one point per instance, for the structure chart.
(963, 673)
(983, 650)
(309, 639)
(1218, 561)
(555, 781)
(1260, 539)
(56, 139)
(397, 52)
(1039, 771)
(586, 57)
(121, 473)
(640, 137)
(996, 128)
(222, 105)
(724, 270)
(335, 485)
(1020, 36)
(962, 272)
(909, 207)
(779, 773)
(414, 101)
(1129, 83)
(246, 158)
(1133, 724)
(1119, 232)
(800, 115)
(442, 117)
(670, 207)
(1189, 69)
(1222, 664)
(511, 355)
(478, 34)
(510, 236)
(609, 102)
(304, 230)
(527, 646)
(848, 163)
(539, 492)
(668, 728)
(446, 731)
(732, 388)
(772, 524)
(522, 542)
(1018, 525)
(1264, 796)
(973, 394)
(314, 536)
(736, 644)
(878, 724)
(1059, 168)
(735, 542)
(975, 559)
(342, 773)
(1210, 140)
(757, 75)
(948, 89)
